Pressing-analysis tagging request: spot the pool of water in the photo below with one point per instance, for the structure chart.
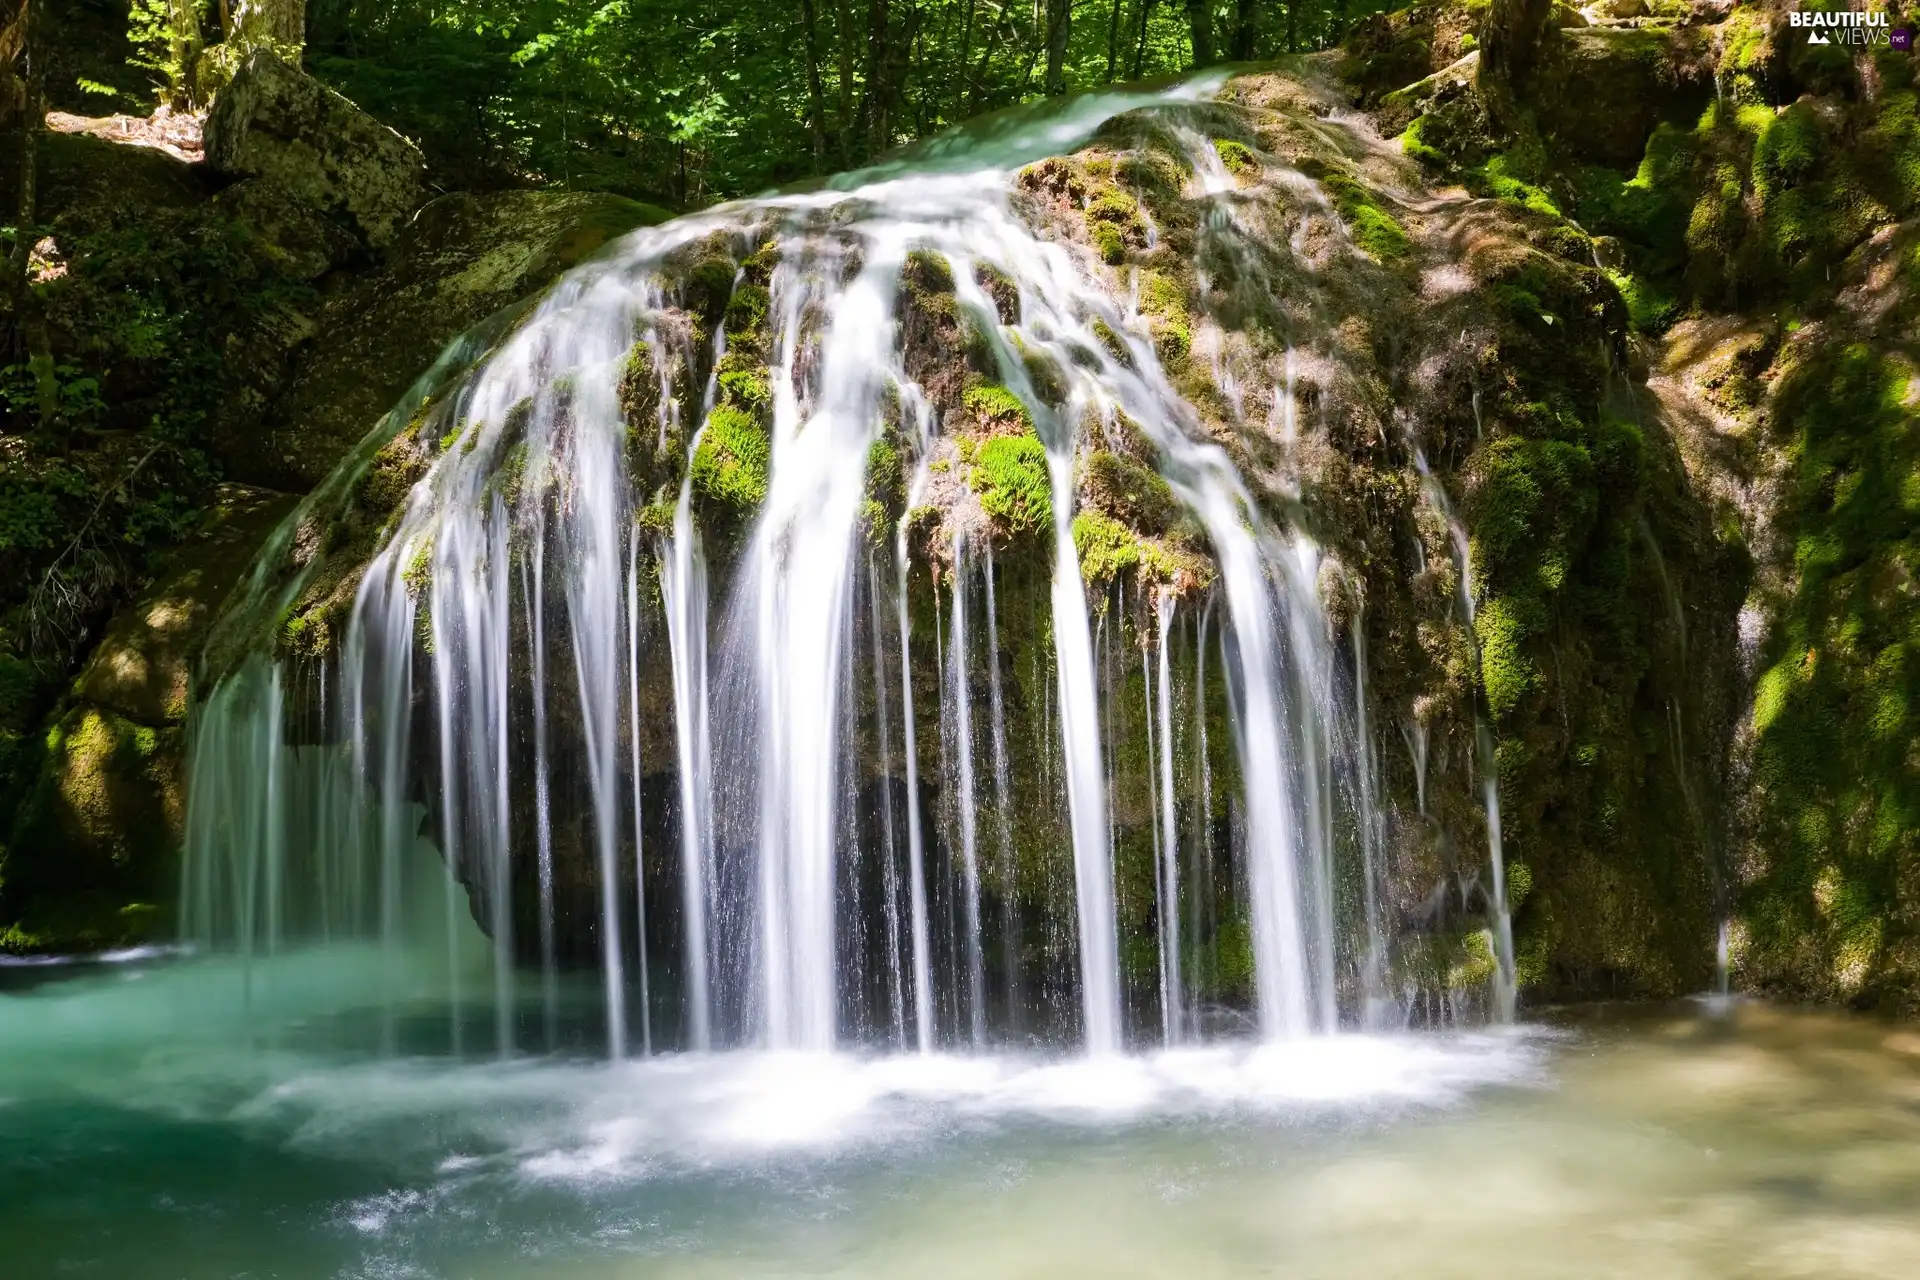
(150, 1127)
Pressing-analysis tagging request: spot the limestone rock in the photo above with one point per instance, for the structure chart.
(463, 258)
(141, 667)
(301, 242)
(278, 123)
(95, 843)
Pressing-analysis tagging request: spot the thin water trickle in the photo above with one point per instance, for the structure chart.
(1506, 982)
(965, 794)
(1172, 992)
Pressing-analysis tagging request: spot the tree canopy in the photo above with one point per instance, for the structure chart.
(687, 101)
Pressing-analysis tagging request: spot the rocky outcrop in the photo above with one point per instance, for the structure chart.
(1762, 238)
(90, 855)
(275, 122)
(205, 328)
(462, 258)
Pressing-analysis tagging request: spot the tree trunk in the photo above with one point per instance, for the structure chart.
(1246, 24)
(962, 64)
(1509, 47)
(1140, 45)
(1113, 39)
(816, 98)
(281, 24)
(843, 40)
(183, 19)
(876, 110)
(1059, 23)
(1200, 20)
(23, 115)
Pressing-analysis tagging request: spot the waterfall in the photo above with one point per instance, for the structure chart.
(1003, 818)
(533, 592)
(1172, 1001)
(1086, 780)
(916, 849)
(504, 634)
(890, 865)
(964, 794)
(633, 765)
(683, 591)
(1375, 1002)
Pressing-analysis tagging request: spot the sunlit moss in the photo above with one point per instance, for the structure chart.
(730, 465)
(1009, 474)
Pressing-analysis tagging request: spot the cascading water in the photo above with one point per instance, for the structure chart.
(1506, 983)
(503, 642)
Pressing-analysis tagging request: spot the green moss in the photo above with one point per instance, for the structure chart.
(1414, 143)
(1513, 177)
(1506, 671)
(1108, 549)
(1115, 346)
(1745, 48)
(1010, 476)
(1649, 210)
(996, 406)
(418, 575)
(1375, 230)
(708, 285)
(656, 518)
(929, 272)
(1129, 492)
(730, 464)
(747, 311)
(1238, 158)
(1164, 302)
(746, 389)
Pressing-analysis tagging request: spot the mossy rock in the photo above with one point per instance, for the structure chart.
(1010, 475)
(97, 842)
(142, 666)
(462, 258)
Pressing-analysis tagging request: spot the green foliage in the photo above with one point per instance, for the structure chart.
(686, 102)
(1009, 473)
(165, 35)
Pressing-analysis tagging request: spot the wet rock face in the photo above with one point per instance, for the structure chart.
(275, 122)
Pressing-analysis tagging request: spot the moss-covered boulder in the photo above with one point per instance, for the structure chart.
(93, 851)
(277, 123)
(143, 666)
(92, 847)
(461, 259)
